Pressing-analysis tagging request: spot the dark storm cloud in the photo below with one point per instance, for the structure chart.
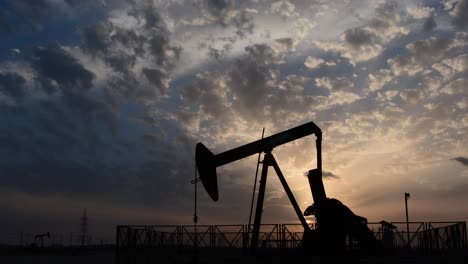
(81, 3)
(411, 96)
(249, 77)
(113, 127)
(462, 160)
(121, 48)
(329, 175)
(227, 13)
(156, 77)
(50, 150)
(4, 23)
(123, 63)
(207, 95)
(386, 17)
(250, 89)
(102, 37)
(244, 24)
(157, 174)
(367, 41)
(217, 7)
(129, 38)
(287, 44)
(82, 139)
(20, 15)
(92, 110)
(387, 10)
(159, 46)
(37, 9)
(460, 17)
(421, 53)
(12, 84)
(40, 8)
(358, 37)
(61, 176)
(246, 79)
(216, 53)
(53, 110)
(74, 2)
(55, 63)
(430, 49)
(262, 54)
(96, 38)
(429, 24)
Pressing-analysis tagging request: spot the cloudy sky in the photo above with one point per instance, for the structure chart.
(102, 103)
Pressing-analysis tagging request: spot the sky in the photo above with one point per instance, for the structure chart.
(103, 102)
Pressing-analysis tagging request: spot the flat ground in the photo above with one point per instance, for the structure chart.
(108, 256)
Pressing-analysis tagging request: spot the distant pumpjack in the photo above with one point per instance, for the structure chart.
(40, 237)
(335, 221)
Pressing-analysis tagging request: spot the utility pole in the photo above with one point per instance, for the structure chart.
(407, 196)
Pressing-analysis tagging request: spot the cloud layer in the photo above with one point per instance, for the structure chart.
(111, 109)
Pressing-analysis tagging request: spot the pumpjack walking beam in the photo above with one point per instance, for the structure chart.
(207, 163)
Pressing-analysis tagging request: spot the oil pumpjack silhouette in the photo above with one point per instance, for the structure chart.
(335, 223)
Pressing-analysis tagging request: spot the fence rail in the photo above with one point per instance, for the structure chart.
(428, 235)
(143, 244)
(211, 236)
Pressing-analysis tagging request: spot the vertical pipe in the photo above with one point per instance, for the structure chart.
(407, 222)
(315, 176)
(318, 144)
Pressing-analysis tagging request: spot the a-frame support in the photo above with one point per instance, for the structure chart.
(268, 161)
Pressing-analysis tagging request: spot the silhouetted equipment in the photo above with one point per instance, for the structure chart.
(407, 196)
(388, 234)
(335, 221)
(337, 224)
(40, 237)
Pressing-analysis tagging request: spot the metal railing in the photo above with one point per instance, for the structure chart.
(210, 236)
(132, 241)
(444, 236)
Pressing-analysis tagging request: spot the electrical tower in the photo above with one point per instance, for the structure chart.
(84, 228)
